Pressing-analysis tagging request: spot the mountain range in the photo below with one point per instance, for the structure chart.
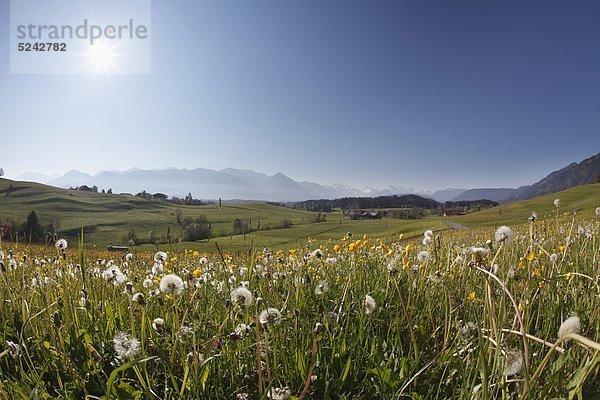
(574, 174)
(244, 184)
(229, 183)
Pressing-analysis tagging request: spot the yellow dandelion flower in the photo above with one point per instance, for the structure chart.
(197, 273)
(569, 276)
(352, 246)
(337, 248)
(472, 296)
(531, 256)
(195, 253)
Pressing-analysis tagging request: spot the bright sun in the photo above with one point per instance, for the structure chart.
(102, 57)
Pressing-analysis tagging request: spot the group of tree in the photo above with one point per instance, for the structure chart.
(357, 203)
(187, 200)
(196, 228)
(29, 231)
(93, 189)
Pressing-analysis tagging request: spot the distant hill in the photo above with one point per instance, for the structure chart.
(575, 174)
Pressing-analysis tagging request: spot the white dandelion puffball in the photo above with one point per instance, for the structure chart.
(172, 285)
(270, 316)
(553, 257)
(370, 305)
(61, 244)
(428, 233)
(513, 363)
(138, 298)
(279, 393)
(556, 202)
(158, 323)
(598, 211)
(160, 257)
(423, 257)
(570, 325)
(126, 347)
(427, 240)
(242, 296)
(479, 252)
(321, 288)
(504, 235)
(533, 217)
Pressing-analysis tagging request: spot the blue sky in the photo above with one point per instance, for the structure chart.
(428, 94)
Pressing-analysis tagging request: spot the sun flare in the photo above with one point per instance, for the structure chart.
(102, 57)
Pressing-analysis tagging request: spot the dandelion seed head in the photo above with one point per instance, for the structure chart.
(553, 257)
(157, 324)
(570, 325)
(533, 217)
(279, 393)
(513, 362)
(160, 257)
(242, 296)
(370, 305)
(270, 316)
(423, 257)
(14, 350)
(61, 244)
(138, 298)
(504, 235)
(321, 288)
(126, 347)
(556, 202)
(171, 285)
(479, 252)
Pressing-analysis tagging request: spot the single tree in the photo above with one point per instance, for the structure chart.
(32, 228)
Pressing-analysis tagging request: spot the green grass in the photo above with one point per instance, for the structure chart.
(107, 218)
(581, 199)
(442, 326)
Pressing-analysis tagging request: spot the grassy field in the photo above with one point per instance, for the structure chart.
(107, 218)
(354, 318)
(582, 199)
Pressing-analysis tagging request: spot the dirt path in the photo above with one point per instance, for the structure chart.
(456, 226)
